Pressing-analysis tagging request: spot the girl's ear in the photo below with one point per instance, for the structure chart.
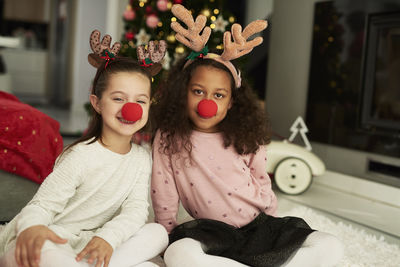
(230, 103)
(94, 100)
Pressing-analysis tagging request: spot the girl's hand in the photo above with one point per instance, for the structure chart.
(30, 242)
(98, 249)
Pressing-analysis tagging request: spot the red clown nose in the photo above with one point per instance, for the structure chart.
(132, 112)
(207, 108)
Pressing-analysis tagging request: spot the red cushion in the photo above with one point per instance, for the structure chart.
(30, 140)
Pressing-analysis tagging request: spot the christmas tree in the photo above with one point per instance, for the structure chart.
(147, 20)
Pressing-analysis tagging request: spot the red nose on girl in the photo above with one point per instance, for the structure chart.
(207, 108)
(132, 112)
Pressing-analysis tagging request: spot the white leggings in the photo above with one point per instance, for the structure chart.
(319, 249)
(147, 243)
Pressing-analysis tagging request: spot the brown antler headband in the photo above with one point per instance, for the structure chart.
(150, 58)
(102, 51)
(191, 38)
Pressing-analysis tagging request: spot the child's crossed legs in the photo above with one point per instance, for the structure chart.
(136, 251)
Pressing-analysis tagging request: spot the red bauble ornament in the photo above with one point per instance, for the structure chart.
(178, 1)
(132, 112)
(207, 108)
(149, 10)
(129, 36)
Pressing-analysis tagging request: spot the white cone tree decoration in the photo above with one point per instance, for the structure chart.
(300, 126)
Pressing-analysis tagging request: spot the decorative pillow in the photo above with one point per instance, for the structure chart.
(29, 139)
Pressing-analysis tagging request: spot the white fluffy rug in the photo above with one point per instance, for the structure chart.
(361, 249)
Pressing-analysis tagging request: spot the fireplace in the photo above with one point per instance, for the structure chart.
(354, 86)
(381, 76)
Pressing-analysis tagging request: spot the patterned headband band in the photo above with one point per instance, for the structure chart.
(149, 58)
(192, 38)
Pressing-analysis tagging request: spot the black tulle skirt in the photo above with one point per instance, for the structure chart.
(266, 241)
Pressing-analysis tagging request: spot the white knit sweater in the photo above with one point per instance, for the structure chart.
(92, 191)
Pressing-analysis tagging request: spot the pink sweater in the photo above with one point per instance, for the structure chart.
(217, 183)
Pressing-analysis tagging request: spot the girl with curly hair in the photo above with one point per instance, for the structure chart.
(209, 154)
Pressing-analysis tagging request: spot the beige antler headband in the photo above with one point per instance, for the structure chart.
(149, 58)
(191, 38)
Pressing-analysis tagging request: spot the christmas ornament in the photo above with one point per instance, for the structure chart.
(142, 37)
(152, 21)
(129, 14)
(149, 10)
(129, 36)
(220, 24)
(162, 5)
(178, 1)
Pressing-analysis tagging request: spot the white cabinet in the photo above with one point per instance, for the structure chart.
(27, 69)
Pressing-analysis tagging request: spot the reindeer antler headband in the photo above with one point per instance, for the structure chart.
(191, 38)
(102, 51)
(149, 58)
(152, 56)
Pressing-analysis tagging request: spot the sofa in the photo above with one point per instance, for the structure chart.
(15, 193)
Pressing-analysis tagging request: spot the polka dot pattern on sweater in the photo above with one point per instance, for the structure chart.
(219, 184)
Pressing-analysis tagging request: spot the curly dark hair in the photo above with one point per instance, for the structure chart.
(245, 126)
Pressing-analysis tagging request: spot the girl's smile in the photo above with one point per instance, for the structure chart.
(125, 121)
